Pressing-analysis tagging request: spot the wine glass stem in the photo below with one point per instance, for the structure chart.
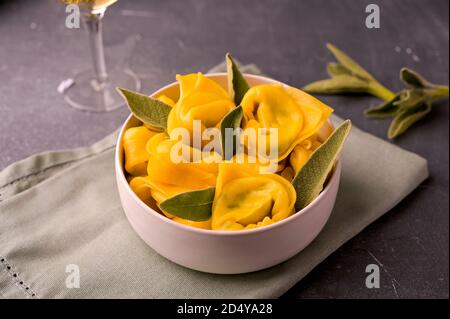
(94, 23)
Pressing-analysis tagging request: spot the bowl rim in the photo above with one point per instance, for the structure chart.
(297, 214)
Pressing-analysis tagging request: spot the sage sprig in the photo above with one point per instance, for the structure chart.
(229, 123)
(237, 85)
(406, 118)
(416, 81)
(309, 181)
(406, 107)
(409, 105)
(348, 77)
(195, 205)
(147, 109)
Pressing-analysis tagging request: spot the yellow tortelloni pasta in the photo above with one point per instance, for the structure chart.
(134, 144)
(302, 152)
(167, 178)
(200, 99)
(136, 156)
(295, 114)
(246, 199)
(166, 99)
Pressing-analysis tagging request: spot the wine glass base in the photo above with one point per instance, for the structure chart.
(88, 95)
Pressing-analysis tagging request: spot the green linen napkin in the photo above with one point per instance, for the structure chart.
(62, 208)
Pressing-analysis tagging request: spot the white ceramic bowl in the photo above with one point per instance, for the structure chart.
(223, 252)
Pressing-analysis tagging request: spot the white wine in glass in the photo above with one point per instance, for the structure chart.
(95, 89)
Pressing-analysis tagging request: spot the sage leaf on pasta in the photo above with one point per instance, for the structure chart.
(147, 109)
(309, 181)
(195, 205)
(228, 126)
(237, 85)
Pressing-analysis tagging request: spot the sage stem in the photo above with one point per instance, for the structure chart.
(381, 91)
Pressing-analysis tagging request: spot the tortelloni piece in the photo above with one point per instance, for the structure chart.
(143, 188)
(246, 199)
(136, 156)
(200, 99)
(295, 114)
(302, 152)
(169, 174)
(165, 99)
(167, 177)
(134, 144)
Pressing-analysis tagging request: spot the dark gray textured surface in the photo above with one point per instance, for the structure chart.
(287, 40)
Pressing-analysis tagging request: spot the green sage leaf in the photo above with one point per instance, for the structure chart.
(337, 84)
(310, 180)
(229, 123)
(413, 79)
(402, 100)
(237, 85)
(406, 118)
(195, 205)
(148, 110)
(386, 109)
(418, 82)
(348, 77)
(336, 69)
(410, 98)
(349, 63)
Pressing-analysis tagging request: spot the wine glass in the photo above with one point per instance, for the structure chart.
(95, 89)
